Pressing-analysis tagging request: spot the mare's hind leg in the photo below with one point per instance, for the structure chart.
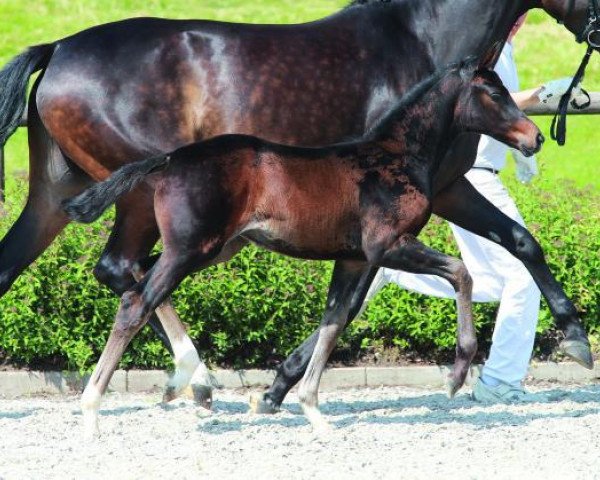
(410, 255)
(52, 178)
(136, 306)
(463, 205)
(346, 277)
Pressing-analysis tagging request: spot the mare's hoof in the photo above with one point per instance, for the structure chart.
(578, 351)
(262, 406)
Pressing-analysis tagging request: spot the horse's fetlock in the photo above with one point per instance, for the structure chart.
(305, 398)
(467, 348)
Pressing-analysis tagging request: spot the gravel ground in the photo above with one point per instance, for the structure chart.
(379, 433)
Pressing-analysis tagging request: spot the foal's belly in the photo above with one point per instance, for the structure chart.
(321, 238)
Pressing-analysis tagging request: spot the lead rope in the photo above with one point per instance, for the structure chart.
(558, 130)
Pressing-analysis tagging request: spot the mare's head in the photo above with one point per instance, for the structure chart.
(485, 106)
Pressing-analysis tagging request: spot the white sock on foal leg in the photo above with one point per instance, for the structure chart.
(90, 405)
(187, 361)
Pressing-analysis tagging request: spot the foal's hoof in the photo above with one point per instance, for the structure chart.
(170, 394)
(262, 406)
(579, 351)
(202, 395)
(452, 386)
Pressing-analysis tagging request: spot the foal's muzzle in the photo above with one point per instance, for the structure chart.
(529, 150)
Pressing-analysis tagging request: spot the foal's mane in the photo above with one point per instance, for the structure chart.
(415, 94)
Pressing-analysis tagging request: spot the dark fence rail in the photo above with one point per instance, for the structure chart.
(539, 110)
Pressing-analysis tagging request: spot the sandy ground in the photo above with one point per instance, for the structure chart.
(379, 433)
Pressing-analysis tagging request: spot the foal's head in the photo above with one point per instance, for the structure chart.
(485, 106)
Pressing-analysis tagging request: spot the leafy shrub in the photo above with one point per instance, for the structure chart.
(256, 309)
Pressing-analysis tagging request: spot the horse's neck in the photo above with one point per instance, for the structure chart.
(438, 23)
(424, 129)
(487, 21)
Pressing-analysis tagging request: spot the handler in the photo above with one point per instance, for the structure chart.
(497, 275)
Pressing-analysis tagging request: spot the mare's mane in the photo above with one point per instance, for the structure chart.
(361, 3)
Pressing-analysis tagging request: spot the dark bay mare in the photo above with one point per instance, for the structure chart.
(362, 203)
(133, 89)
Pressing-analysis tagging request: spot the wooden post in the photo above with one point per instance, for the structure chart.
(551, 107)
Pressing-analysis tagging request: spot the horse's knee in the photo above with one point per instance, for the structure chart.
(132, 313)
(526, 247)
(115, 274)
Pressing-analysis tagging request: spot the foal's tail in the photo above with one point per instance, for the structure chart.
(89, 205)
(14, 78)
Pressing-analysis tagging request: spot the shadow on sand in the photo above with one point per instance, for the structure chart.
(438, 409)
(18, 415)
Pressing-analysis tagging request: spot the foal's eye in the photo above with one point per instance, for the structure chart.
(496, 96)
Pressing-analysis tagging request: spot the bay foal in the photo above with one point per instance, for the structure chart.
(358, 202)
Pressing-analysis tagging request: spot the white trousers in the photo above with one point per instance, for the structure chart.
(497, 276)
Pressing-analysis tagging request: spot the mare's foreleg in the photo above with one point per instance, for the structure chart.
(344, 283)
(292, 369)
(463, 205)
(410, 255)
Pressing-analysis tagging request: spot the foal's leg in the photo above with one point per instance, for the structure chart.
(190, 370)
(463, 205)
(346, 277)
(134, 234)
(410, 255)
(186, 359)
(136, 305)
(132, 237)
(292, 369)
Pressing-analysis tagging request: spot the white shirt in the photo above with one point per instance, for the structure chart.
(491, 153)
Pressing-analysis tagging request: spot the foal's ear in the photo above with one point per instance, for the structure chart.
(489, 59)
(468, 67)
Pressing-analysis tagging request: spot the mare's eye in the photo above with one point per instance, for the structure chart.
(496, 96)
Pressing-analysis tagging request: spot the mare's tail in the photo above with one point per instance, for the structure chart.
(14, 78)
(89, 205)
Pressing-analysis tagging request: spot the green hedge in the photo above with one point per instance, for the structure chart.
(256, 309)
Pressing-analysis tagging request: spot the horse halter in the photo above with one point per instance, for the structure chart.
(593, 24)
(558, 130)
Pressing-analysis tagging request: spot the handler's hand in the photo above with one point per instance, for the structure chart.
(554, 89)
(526, 166)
